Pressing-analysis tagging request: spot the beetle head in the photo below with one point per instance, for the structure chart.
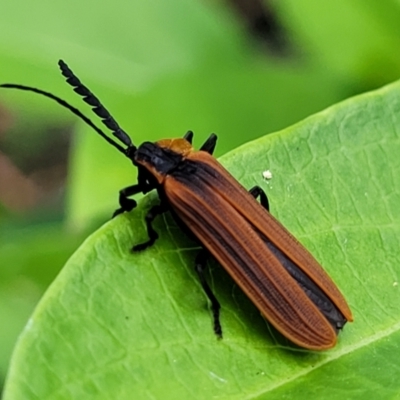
(162, 157)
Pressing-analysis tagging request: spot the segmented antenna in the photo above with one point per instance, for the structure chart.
(69, 107)
(97, 107)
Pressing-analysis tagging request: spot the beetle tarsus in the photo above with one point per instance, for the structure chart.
(200, 267)
(125, 203)
(153, 235)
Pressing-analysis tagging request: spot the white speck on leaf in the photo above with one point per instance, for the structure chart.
(267, 174)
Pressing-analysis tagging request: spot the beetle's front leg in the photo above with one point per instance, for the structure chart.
(153, 235)
(125, 203)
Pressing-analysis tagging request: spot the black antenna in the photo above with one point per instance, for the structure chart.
(69, 107)
(97, 107)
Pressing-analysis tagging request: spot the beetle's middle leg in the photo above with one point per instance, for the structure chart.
(200, 267)
(256, 191)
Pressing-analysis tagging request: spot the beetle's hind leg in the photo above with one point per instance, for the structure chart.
(209, 144)
(189, 136)
(256, 192)
(200, 267)
(125, 203)
(153, 235)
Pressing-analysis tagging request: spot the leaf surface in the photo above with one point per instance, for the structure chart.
(117, 325)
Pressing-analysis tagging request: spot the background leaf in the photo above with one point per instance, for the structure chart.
(115, 324)
(21, 286)
(163, 68)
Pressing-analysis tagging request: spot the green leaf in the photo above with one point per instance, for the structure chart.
(122, 325)
(159, 73)
(31, 257)
(353, 38)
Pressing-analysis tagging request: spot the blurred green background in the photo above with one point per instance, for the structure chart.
(240, 69)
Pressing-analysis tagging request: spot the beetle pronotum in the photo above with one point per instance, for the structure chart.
(283, 280)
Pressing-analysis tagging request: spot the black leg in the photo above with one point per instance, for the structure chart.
(256, 191)
(209, 144)
(125, 203)
(189, 136)
(153, 235)
(200, 267)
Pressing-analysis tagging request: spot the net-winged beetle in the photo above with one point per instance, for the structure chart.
(282, 279)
